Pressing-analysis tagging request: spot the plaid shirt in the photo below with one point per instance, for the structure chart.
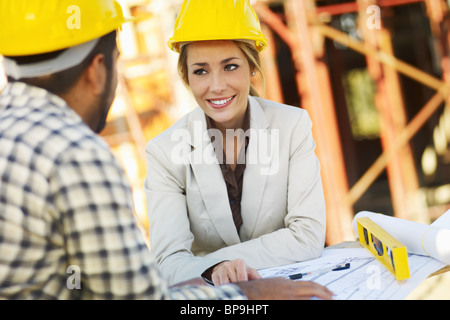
(66, 211)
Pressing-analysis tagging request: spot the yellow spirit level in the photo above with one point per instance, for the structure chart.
(388, 250)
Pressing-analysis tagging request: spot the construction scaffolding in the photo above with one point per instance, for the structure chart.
(374, 76)
(306, 30)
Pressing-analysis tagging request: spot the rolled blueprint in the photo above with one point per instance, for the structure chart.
(419, 238)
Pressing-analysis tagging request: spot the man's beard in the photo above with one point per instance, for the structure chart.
(105, 102)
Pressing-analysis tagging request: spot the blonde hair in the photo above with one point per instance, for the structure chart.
(250, 52)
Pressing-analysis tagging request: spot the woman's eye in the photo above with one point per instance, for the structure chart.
(231, 67)
(199, 72)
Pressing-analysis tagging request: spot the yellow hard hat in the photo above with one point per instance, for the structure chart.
(200, 20)
(30, 27)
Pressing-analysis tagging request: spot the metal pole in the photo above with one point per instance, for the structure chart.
(314, 85)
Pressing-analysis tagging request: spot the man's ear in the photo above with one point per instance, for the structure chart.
(95, 74)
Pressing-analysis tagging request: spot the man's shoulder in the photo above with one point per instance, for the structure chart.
(44, 124)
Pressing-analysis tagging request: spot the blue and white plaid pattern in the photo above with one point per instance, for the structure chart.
(66, 201)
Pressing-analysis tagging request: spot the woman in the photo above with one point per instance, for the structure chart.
(234, 185)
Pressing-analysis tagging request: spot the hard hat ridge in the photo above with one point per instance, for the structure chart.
(200, 20)
(67, 59)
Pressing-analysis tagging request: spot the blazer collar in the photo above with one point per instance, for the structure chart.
(258, 119)
(256, 170)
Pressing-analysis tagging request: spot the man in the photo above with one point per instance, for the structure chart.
(67, 230)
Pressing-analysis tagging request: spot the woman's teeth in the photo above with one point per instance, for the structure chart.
(220, 102)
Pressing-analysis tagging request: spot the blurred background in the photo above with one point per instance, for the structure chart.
(373, 75)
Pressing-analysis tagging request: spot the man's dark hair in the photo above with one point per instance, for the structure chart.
(61, 82)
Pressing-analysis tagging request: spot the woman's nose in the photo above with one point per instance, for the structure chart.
(217, 84)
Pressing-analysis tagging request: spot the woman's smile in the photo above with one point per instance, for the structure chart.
(220, 103)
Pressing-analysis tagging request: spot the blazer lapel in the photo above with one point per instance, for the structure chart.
(209, 178)
(258, 166)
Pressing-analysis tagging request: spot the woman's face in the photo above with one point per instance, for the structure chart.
(219, 77)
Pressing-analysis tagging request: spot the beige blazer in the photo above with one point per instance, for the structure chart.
(283, 210)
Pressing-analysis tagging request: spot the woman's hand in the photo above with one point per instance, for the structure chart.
(232, 271)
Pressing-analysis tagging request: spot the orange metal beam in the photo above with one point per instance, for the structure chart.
(401, 172)
(406, 183)
(385, 58)
(273, 89)
(408, 132)
(314, 85)
(276, 24)
(422, 77)
(271, 19)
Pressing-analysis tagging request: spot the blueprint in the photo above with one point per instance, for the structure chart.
(366, 279)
